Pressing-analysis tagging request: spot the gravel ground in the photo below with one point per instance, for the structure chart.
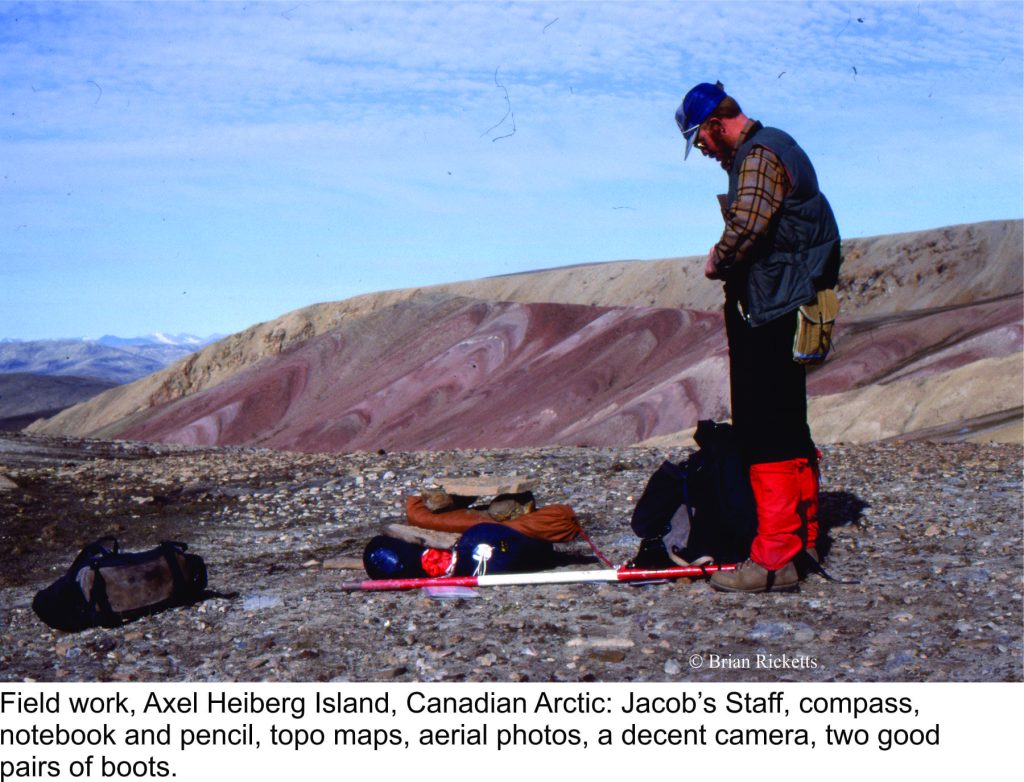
(932, 531)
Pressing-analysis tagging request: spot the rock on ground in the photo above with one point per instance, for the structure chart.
(931, 531)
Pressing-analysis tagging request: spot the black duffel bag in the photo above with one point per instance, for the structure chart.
(106, 587)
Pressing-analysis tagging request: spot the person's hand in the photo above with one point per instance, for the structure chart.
(710, 266)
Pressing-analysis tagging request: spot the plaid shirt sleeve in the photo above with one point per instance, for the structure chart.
(761, 186)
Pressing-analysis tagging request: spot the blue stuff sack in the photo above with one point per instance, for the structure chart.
(491, 548)
(386, 557)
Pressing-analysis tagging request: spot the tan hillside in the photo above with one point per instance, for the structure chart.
(885, 279)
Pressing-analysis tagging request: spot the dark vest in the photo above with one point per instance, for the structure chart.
(800, 254)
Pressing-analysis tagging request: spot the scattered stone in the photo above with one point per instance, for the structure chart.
(436, 500)
(420, 536)
(259, 602)
(945, 606)
(771, 631)
(608, 655)
(511, 506)
(488, 485)
(343, 563)
(601, 643)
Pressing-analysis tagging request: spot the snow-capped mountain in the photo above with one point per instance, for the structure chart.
(190, 341)
(117, 359)
(38, 378)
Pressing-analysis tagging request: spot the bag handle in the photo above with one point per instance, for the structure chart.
(94, 549)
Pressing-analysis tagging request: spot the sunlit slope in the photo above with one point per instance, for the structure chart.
(916, 307)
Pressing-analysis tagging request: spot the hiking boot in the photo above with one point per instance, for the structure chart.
(751, 577)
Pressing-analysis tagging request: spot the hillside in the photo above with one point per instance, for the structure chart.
(25, 398)
(930, 342)
(113, 359)
(482, 373)
(80, 358)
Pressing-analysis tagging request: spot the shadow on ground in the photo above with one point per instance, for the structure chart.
(837, 509)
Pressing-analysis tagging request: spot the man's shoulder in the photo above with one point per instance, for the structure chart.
(767, 136)
(760, 154)
(772, 145)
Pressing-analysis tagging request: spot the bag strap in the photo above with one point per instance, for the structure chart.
(99, 602)
(815, 567)
(170, 549)
(94, 549)
(593, 547)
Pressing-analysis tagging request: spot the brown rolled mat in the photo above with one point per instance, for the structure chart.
(556, 523)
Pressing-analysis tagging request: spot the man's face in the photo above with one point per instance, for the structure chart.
(711, 142)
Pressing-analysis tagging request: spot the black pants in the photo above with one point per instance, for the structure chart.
(769, 389)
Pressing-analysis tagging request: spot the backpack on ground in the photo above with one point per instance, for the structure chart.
(703, 507)
(106, 587)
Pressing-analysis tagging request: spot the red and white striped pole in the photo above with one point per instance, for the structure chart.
(547, 577)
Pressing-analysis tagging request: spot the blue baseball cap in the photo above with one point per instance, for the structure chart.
(696, 107)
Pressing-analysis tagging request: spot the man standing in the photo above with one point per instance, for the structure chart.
(779, 248)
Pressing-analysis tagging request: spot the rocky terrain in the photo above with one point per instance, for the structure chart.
(930, 530)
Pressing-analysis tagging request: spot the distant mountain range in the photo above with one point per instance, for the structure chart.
(113, 359)
(190, 341)
(39, 378)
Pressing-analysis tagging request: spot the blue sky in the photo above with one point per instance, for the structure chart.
(202, 167)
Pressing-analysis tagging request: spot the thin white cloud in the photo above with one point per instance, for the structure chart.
(223, 115)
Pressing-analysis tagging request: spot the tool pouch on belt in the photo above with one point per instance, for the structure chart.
(814, 328)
